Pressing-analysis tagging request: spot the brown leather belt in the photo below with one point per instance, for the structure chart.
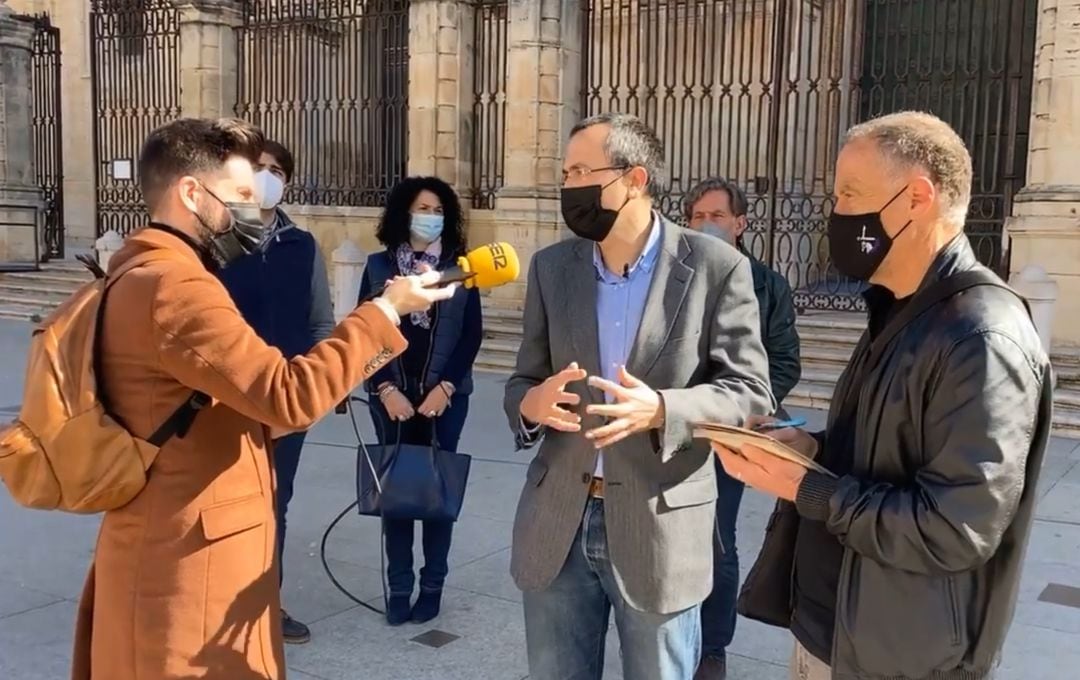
(596, 487)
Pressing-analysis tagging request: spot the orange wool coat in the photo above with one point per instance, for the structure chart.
(184, 582)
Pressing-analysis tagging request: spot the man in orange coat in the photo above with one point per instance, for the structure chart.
(184, 582)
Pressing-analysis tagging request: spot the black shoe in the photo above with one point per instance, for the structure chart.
(712, 668)
(294, 632)
(397, 610)
(427, 606)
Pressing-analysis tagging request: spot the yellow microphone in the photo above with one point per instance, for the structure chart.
(488, 266)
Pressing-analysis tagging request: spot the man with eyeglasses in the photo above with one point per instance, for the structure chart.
(633, 331)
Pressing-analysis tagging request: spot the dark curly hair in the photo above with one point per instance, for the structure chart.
(393, 227)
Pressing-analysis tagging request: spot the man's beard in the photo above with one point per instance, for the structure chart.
(212, 257)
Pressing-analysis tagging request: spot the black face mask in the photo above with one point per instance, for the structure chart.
(584, 212)
(858, 244)
(242, 236)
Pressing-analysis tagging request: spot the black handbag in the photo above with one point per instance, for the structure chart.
(409, 481)
(766, 595)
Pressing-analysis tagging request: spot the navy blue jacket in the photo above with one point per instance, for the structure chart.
(456, 334)
(282, 290)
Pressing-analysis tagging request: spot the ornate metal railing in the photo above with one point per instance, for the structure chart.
(329, 80)
(47, 131)
(761, 91)
(135, 67)
(489, 101)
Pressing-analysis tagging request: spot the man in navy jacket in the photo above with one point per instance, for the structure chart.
(283, 292)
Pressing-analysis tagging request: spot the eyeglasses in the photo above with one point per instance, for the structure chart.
(579, 172)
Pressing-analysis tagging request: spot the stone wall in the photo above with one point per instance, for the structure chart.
(1045, 229)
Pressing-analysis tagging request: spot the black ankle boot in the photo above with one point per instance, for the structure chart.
(397, 610)
(427, 606)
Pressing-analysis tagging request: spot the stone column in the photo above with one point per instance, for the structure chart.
(1045, 227)
(543, 96)
(441, 91)
(208, 56)
(20, 197)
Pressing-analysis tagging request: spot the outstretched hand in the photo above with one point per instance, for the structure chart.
(636, 408)
(544, 404)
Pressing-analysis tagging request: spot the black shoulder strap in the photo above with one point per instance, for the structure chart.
(922, 302)
(177, 424)
(929, 298)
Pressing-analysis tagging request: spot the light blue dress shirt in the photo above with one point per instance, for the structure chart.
(620, 303)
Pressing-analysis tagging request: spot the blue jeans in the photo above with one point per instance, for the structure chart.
(718, 609)
(399, 532)
(286, 461)
(566, 624)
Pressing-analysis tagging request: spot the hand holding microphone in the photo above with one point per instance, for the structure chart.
(415, 293)
(488, 266)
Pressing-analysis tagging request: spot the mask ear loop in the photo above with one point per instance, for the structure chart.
(625, 201)
(903, 228)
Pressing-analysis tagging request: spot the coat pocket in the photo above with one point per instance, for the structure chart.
(537, 471)
(233, 516)
(689, 493)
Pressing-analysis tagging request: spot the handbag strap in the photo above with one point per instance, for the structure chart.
(921, 303)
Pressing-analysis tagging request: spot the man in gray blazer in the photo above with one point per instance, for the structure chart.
(632, 332)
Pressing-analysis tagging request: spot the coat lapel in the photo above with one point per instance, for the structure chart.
(579, 297)
(670, 283)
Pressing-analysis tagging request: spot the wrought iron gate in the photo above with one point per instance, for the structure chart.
(761, 91)
(329, 80)
(47, 132)
(135, 67)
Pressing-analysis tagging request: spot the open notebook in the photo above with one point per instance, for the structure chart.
(734, 437)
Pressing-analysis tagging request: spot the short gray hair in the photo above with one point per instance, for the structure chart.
(632, 143)
(913, 139)
(736, 197)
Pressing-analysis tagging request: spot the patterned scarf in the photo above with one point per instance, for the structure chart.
(408, 262)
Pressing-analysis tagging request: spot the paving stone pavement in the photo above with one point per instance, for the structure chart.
(43, 559)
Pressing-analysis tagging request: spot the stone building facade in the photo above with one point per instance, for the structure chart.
(550, 75)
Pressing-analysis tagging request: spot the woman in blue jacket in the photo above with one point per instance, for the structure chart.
(430, 383)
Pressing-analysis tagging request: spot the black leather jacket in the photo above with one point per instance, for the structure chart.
(778, 331)
(950, 433)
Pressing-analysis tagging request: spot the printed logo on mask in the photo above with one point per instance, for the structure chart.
(866, 243)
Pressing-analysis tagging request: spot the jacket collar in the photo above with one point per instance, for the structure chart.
(955, 257)
(147, 238)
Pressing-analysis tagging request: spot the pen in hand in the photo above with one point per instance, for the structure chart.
(780, 424)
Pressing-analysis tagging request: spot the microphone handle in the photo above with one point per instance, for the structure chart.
(453, 274)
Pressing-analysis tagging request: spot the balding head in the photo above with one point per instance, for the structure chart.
(915, 141)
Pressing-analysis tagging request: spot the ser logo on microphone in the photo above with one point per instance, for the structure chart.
(499, 259)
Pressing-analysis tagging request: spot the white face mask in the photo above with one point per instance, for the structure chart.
(269, 188)
(715, 230)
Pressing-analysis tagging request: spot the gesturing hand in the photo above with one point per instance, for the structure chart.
(637, 408)
(543, 404)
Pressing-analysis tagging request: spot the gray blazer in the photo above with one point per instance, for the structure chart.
(699, 346)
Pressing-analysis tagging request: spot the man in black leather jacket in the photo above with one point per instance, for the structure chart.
(907, 562)
(718, 207)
